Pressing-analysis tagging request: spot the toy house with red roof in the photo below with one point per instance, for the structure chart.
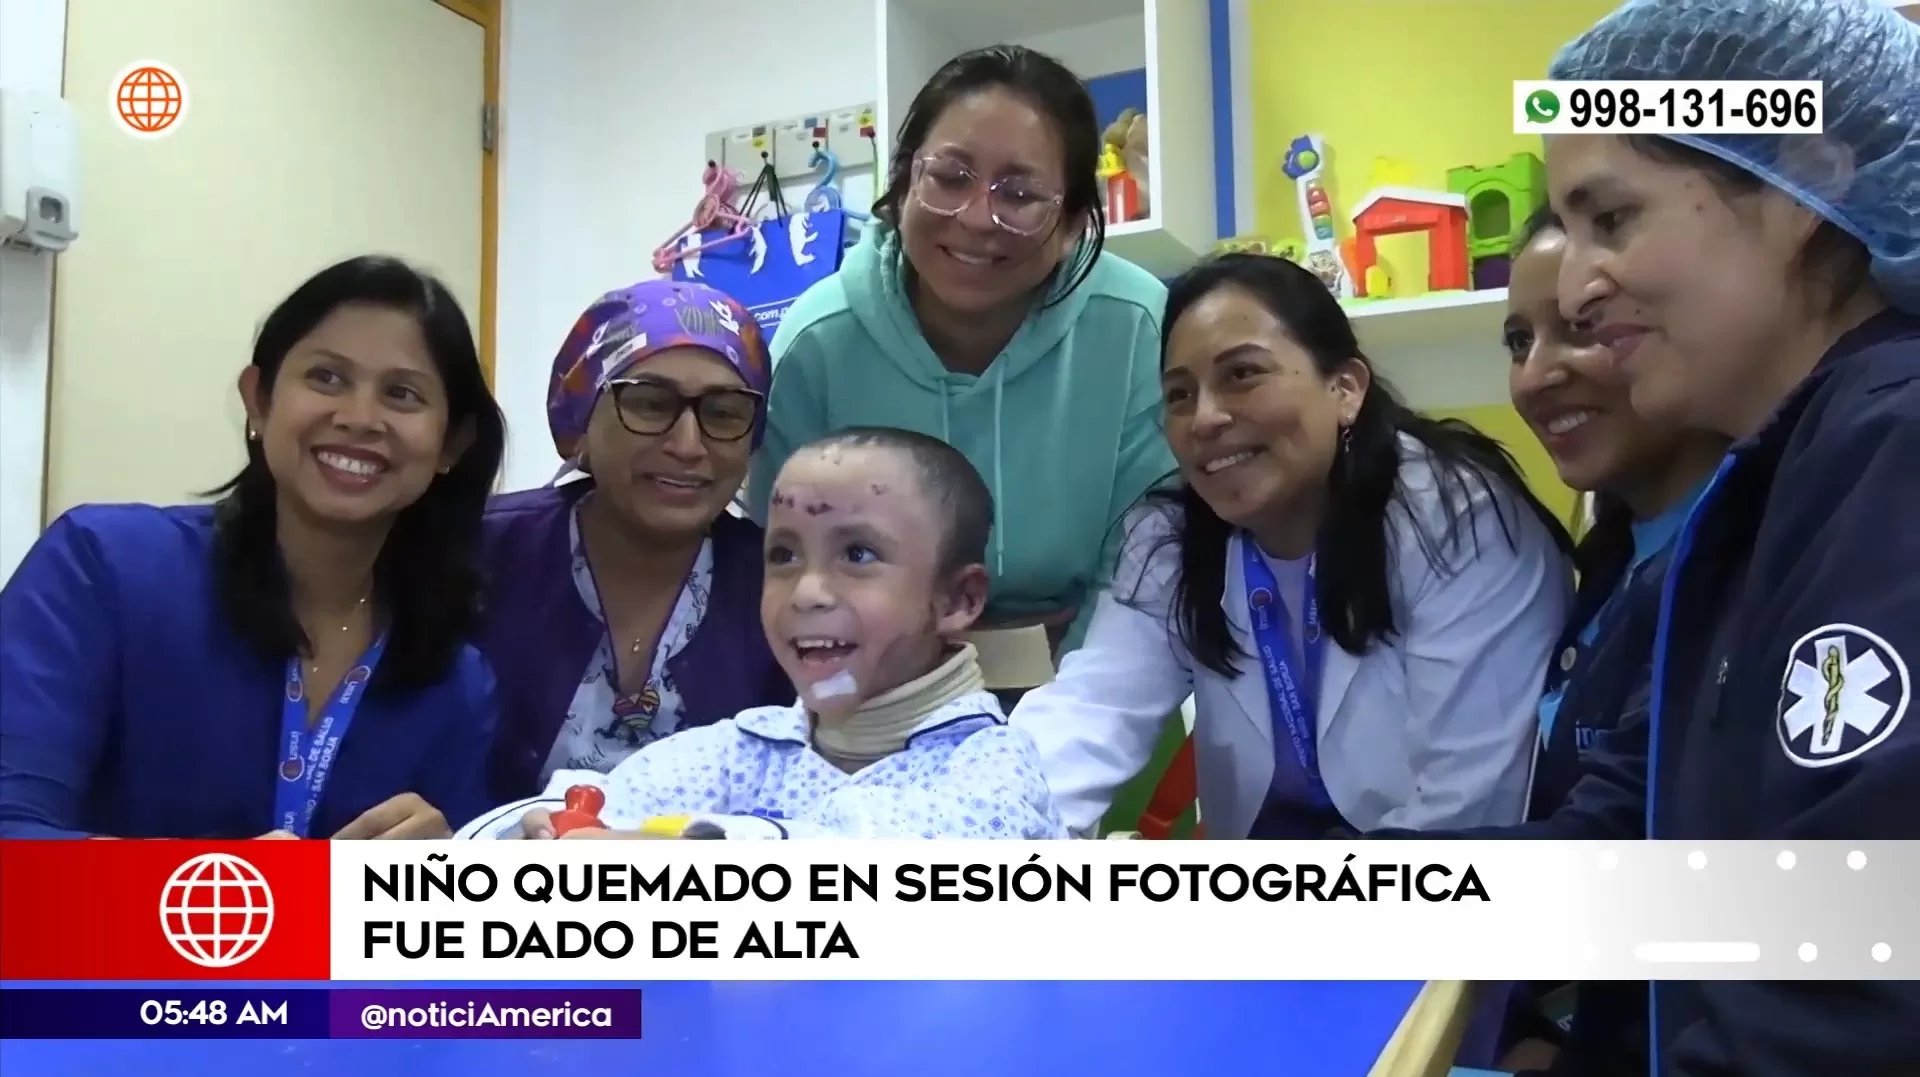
(1388, 211)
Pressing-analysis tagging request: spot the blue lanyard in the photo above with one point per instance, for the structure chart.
(309, 754)
(1291, 695)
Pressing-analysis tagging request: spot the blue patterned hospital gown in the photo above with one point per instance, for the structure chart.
(964, 774)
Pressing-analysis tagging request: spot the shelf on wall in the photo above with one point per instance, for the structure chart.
(1169, 38)
(1415, 320)
(1440, 350)
(1151, 247)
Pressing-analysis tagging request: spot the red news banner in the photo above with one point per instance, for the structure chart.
(164, 910)
(170, 910)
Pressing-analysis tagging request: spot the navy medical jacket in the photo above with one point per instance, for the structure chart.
(1781, 688)
(1603, 683)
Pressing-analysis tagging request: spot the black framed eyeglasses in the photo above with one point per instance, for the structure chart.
(651, 408)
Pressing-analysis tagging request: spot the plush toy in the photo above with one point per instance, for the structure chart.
(1128, 135)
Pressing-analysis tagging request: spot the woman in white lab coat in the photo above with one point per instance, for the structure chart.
(1360, 600)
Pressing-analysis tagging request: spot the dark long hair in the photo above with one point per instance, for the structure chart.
(1355, 561)
(1060, 95)
(425, 576)
(1605, 548)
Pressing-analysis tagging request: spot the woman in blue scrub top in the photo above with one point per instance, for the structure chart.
(290, 661)
(1644, 478)
(1767, 288)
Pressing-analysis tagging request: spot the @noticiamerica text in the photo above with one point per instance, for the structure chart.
(374, 1016)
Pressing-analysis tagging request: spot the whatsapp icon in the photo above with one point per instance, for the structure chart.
(1542, 106)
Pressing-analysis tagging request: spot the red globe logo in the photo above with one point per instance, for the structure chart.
(149, 98)
(216, 910)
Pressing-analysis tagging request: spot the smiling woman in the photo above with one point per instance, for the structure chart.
(1767, 288)
(1646, 476)
(332, 582)
(984, 310)
(1360, 600)
(645, 587)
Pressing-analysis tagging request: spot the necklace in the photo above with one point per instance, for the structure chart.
(313, 668)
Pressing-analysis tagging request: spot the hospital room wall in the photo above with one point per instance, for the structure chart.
(33, 45)
(589, 176)
(606, 105)
(1369, 76)
(602, 145)
(591, 181)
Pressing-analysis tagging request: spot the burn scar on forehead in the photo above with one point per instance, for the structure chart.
(805, 499)
(830, 480)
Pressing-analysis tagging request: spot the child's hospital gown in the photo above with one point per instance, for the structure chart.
(963, 774)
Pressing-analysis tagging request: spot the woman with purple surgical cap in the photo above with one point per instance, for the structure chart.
(625, 605)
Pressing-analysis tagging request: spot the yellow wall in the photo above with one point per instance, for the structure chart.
(1501, 422)
(1371, 77)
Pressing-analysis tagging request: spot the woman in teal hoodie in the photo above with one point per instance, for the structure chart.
(982, 310)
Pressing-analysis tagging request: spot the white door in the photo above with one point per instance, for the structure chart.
(314, 130)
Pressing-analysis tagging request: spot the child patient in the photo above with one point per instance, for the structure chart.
(875, 539)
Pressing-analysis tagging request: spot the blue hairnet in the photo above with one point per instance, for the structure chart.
(1863, 174)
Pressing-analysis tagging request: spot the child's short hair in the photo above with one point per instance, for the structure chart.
(949, 479)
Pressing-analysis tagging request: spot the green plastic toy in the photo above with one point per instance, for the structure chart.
(1500, 198)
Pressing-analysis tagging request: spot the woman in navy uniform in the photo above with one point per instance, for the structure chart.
(1766, 287)
(1644, 478)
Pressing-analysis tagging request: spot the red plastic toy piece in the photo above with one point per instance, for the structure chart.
(582, 811)
(586, 798)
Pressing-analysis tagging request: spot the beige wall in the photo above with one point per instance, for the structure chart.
(314, 131)
(581, 207)
(32, 48)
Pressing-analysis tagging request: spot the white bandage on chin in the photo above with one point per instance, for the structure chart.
(838, 686)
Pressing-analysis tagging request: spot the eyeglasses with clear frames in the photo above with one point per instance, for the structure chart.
(1019, 204)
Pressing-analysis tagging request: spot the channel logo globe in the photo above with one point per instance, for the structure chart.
(149, 98)
(216, 910)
